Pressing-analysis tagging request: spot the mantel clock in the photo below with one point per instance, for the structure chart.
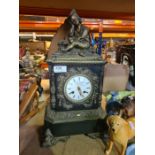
(76, 76)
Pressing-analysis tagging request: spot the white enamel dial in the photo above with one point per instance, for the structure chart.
(78, 88)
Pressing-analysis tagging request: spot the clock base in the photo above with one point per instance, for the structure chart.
(60, 124)
(71, 128)
(61, 131)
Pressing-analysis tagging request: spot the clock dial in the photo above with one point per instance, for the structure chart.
(78, 88)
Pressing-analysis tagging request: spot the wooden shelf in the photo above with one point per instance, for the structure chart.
(45, 26)
(30, 10)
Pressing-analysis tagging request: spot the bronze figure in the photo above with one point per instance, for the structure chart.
(78, 34)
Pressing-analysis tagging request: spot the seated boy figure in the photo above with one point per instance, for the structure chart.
(78, 34)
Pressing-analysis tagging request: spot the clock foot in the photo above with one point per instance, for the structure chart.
(50, 140)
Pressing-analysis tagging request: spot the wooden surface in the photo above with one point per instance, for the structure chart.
(110, 9)
(75, 145)
(30, 142)
(27, 98)
(28, 116)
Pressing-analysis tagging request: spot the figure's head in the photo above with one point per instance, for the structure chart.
(74, 17)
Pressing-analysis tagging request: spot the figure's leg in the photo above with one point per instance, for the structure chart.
(82, 44)
(107, 152)
(69, 47)
(76, 44)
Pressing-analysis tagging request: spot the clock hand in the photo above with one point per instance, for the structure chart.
(80, 92)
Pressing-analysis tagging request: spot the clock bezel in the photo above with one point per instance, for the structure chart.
(82, 100)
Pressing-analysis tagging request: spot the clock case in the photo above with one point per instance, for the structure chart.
(62, 117)
(89, 66)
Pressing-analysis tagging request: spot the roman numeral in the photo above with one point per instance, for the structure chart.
(85, 92)
(71, 92)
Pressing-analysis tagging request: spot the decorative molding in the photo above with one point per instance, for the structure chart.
(73, 116)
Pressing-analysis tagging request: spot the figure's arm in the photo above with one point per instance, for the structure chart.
(85, 35)
(71, 34)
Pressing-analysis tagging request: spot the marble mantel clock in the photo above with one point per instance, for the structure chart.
(76, 76)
